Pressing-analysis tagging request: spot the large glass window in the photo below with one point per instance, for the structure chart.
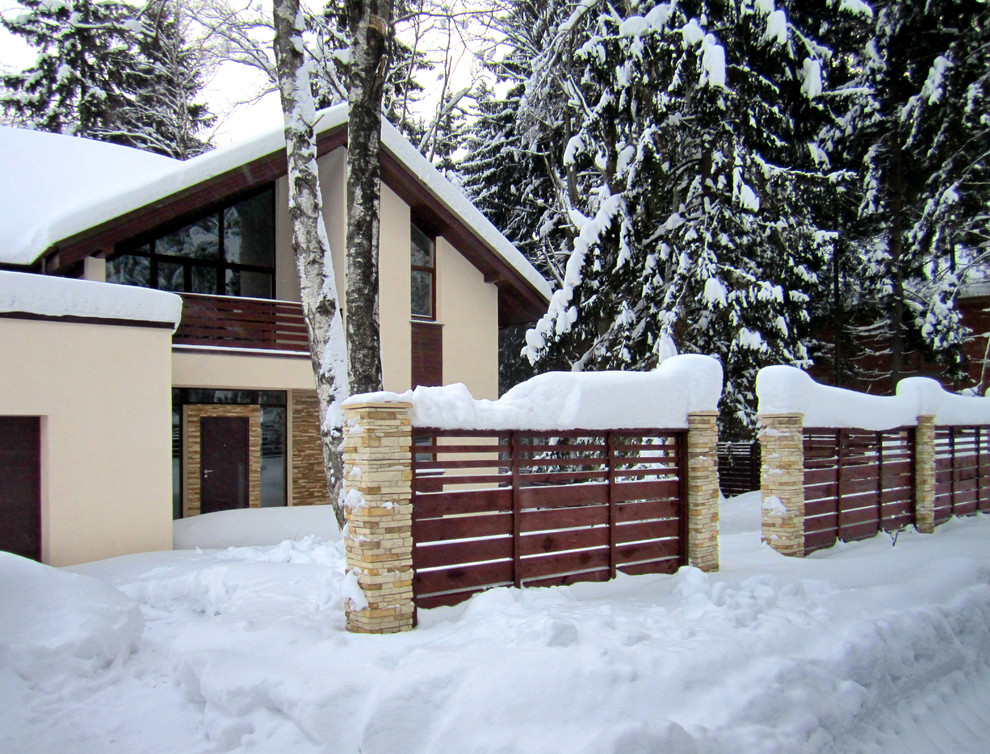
(230, 251)
(423, 277)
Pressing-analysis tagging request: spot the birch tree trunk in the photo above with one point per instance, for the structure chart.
(370, 23)
(310, 244)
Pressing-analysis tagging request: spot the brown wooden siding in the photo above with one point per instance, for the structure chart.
(427, 353)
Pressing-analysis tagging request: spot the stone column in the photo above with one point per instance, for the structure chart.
(782, 482)
(924, 475)
(378, 536)
(702, 482)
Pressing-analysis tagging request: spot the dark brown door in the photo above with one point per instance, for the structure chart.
(20, 485)
(224, 463)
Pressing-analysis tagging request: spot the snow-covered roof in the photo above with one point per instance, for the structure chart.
(48, 182)
(66, 185)
(49, 296)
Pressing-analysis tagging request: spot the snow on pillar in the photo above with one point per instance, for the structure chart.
(924, 475)
(378, 535)
(702, 481)
(782, 482)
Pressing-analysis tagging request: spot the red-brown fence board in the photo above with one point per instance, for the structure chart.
(961, 469)
(857, 483)
(553, 508)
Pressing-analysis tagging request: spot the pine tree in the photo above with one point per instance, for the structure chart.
(77, 84)
(164, 112)
(108, 71)
(916, 133)
(685, 182)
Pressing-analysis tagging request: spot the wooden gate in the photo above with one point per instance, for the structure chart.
(543, 508)
(856, 483)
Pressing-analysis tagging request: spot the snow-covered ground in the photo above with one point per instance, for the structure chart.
(862, 648)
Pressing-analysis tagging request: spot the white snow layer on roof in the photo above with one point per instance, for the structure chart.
(661, 399)
(63, 297)
(46, 178)
(788, 390)
(97, 182)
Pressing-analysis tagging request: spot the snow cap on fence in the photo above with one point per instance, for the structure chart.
(788, 390)
(661, 399)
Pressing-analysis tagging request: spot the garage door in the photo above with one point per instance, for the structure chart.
(20, 485)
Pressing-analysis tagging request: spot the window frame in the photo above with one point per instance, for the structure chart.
(133, 247)
(432, 270)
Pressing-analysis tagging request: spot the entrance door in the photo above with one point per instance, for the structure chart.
(20, 485)
(224, 463)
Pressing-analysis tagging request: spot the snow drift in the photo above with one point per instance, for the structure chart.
(788, 390)
(56, 625)
(661, 399)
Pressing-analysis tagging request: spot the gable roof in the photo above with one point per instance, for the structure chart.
(116, 189)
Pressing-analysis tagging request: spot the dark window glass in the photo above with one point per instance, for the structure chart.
(204, 280)
(200, 240)
(272, 456)
(271, 397)
(229, 252)
(422, 276)
(203, 395)
(176, 457)
(249, 284)
(422, 293)
(249, 231)
(171, 276)
(422, 249)
(130, 269)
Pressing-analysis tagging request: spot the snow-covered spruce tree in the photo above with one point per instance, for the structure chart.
(508, 168)
(917, 132)
(686, 183)
(164, 114)
(310, 243)
(77, 85)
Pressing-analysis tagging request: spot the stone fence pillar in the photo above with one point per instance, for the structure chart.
(702, 481)
(924, 475)
(378, 536)
(782, 482)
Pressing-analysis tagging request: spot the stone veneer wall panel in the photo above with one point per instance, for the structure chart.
(782, 482)
(924, 475)
(309, 482)
(378, 540)
(703, 495)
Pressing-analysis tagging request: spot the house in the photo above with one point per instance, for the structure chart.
(237, 380)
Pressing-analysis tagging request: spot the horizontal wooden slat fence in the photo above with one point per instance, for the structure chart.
(738, 467)
(543, 508)
(856, 484)
(962, 462)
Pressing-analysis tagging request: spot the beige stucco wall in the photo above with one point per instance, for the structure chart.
(467, 307)
(234, 371)
(104, 394)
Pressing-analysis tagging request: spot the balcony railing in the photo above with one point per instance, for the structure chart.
(231, 322)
